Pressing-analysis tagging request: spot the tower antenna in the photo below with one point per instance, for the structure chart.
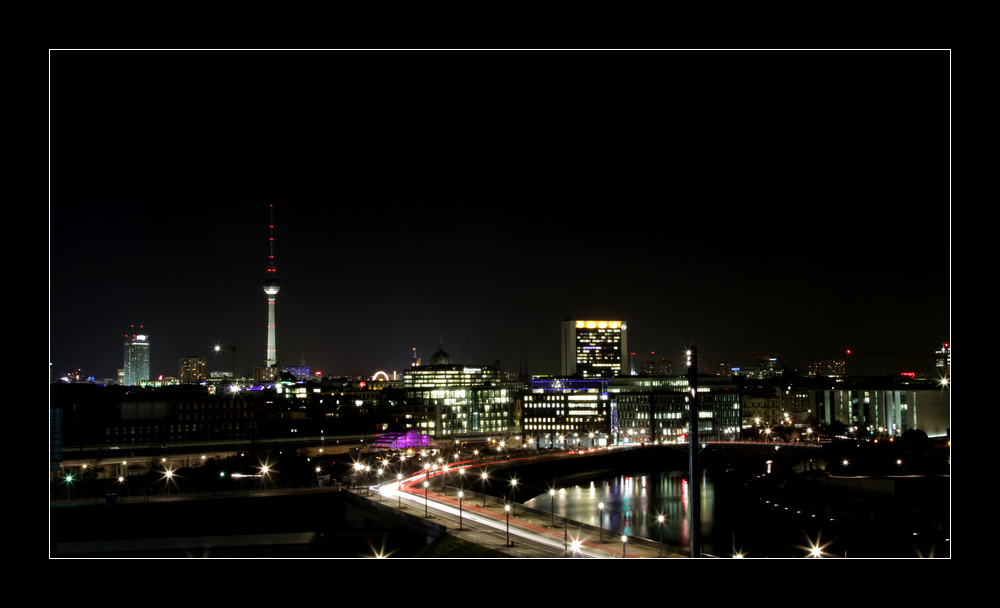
(271, 287)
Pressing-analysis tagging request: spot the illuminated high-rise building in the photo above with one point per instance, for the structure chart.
(271, 287)
(193, 369)
(594, 348)
(942, 361)
(136, 370)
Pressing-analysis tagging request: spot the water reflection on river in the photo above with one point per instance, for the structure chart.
(632, 505)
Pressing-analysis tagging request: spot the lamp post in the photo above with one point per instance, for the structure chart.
(507, 509)
(426, 485)
(399, 490)
(460, 495)
(624, 538)
(693, 464)
(660, 518)
(552, 505)
(69, 486)
(484, 489)
(263, 477)
(513, 491)
(600, 521)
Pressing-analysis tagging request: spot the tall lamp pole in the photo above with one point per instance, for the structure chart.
(552, 505)
(507, 509)
(660, 518)
(695, 469)
(484, 489)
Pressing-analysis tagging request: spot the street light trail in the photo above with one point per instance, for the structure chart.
(491, 522)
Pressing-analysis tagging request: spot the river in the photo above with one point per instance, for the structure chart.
(735, 521)
(632, 505)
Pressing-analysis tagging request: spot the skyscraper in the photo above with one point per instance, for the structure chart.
(136, 368)
(943, 361)
(271, 286)
(594, 348)
(193, 369)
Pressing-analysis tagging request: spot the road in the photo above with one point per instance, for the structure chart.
(509, 527)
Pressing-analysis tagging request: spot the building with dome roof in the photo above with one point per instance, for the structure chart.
(447, 399)
(440, 357)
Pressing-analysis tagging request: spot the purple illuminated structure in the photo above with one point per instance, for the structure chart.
(401, 441)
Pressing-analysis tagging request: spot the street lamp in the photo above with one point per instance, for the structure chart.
(68, 480)
(399, 489)
(265, 471)
(460, 495)
(507, 509)
(600, 522)
(426, 484)
(358, 467)
(513, 491)
(552, 505)
(660, 519)
(484, 489)
(624, 538)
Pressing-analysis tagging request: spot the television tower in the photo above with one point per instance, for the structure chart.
(271, 286)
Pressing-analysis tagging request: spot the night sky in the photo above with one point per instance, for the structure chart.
(792, 202)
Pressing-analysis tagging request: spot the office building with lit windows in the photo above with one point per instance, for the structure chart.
(448, 400)
(136, 369)
(593, 348)
(193, 369)
(565, 412)
(942, 361)
(657, 409)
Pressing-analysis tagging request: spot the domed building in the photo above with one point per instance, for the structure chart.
(440, 357)
(448, 399)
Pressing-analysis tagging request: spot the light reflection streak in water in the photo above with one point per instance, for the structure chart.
(632, 505)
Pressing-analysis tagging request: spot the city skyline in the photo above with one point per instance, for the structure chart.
(788, 202)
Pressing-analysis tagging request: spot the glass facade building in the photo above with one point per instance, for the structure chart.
(592, 348)
(562, 412)
(136, 370)
(448, 400)
(657, 409)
